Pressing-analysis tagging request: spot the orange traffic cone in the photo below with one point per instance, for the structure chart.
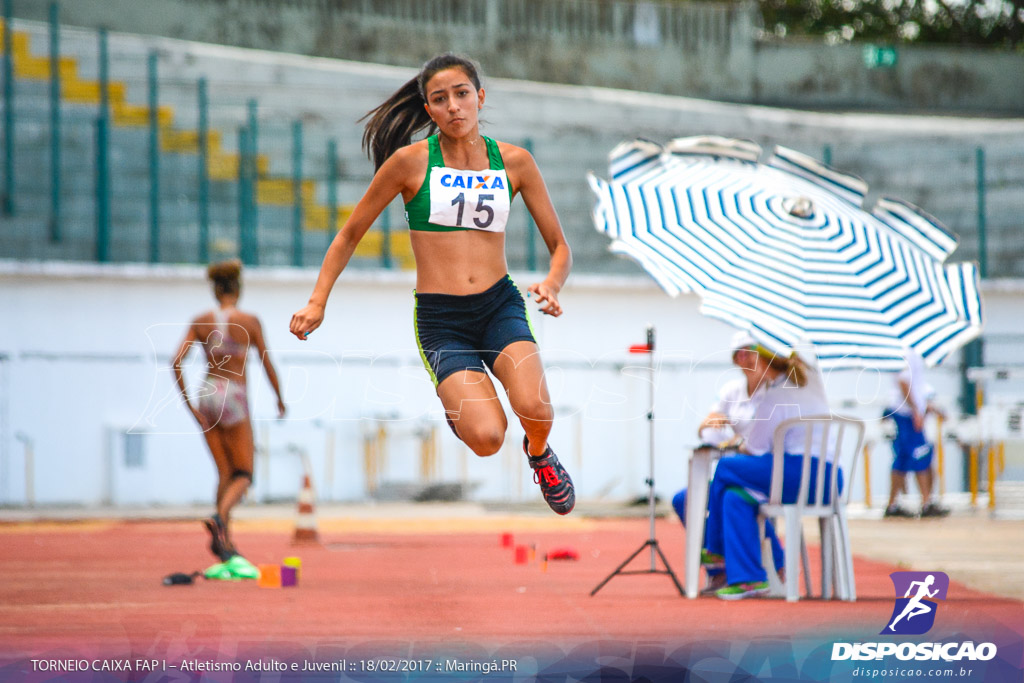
(305, 523)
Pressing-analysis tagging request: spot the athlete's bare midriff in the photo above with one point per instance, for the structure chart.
(460, 263)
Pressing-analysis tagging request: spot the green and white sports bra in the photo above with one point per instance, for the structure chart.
(453, 199)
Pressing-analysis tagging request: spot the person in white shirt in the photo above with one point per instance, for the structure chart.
(727, 424)
(911, 450)
(793, 387)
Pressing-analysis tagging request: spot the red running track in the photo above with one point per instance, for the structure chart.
(93, 589)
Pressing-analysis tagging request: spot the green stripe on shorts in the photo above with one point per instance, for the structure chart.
(419, 346)
(526, 309)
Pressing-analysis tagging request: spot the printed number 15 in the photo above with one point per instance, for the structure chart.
(480, 208)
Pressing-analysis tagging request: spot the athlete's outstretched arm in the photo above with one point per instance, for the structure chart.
(385, 186)
(530, 184)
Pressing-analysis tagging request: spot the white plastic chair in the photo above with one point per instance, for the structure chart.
(822, 434)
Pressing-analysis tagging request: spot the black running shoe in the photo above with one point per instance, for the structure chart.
(555, 483)
(219, 545)
(898, 511)
(934, 510)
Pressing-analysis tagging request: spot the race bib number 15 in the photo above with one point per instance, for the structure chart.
(478, 200)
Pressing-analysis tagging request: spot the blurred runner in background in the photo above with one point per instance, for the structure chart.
(221, 407)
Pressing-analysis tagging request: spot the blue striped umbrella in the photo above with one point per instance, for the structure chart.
(786, 250)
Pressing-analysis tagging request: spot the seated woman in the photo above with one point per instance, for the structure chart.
(793, 388)
(727, 424)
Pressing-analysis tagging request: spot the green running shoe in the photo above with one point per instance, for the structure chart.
(241, 568)
(711, 561)
(739, 591)
(219, 572)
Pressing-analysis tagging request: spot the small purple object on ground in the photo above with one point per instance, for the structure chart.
(289, 576)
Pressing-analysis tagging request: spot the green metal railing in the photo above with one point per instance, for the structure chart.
(297, 193)
(102, 189)
(203, 171)
(248, 150)
(973, 354)
(103, 154)
(332, 187)
(104, 69)
(247, 196)
(7, 200)
(55, 146)
(152, 83)
(531, 231)
(982, 214)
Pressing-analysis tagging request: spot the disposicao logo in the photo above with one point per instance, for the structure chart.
(916, 595)
(914, 614)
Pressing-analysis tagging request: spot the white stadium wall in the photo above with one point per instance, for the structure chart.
(86, 349)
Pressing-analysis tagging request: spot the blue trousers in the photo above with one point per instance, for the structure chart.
(732, 518)
(679, 503)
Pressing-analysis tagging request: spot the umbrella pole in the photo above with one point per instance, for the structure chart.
(652, 541)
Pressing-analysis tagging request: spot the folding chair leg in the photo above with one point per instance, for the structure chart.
(847, 552)
(794, 540)
(839, 558)
(827, 557)
(805, 558)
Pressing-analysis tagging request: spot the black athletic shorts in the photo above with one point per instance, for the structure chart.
(457, 333)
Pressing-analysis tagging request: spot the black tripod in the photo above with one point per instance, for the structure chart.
(651, 542)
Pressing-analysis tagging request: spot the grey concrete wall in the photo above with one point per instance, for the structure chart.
(925, 78)
(708, 51)
(92, 343)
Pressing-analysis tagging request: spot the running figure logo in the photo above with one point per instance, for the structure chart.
(914, 612)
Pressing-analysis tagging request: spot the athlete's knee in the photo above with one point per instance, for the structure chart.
(483, 440)
(535, 411)
(242, 474)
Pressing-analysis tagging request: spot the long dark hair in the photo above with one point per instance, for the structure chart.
(393, 123)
